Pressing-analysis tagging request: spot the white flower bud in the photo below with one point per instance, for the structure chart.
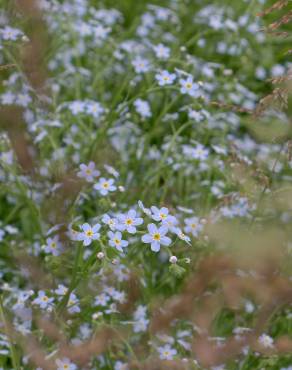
(227, 72)
(173, 259)
(100, 255)
(96, 315)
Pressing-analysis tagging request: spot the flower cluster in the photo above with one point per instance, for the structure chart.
(135, 160)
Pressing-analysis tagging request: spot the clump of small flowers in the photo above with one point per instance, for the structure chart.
(123, 165)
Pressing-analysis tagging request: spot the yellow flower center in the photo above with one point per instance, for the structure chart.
(89, 233)
(193, 226)
(162, 215)
(45, 298)
(188, 85)
(117, 241)
(53, 245)
(156, 236)
(105, 185)
(88, 171)
(129, 221)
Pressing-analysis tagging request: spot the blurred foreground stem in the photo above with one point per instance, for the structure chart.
(14, 358)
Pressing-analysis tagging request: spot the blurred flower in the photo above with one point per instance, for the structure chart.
(88, 172)
(161, 51)
(188, 86)
(104, 186)
(43, 300)
(141, 65)
(165, 78)
(266, 341)
(65, 364)
(167, 352)
(53, 246)
(143, 108)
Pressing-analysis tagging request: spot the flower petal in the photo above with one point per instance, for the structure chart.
(96, 227)
(165, 240)
(86, 227)
(155, 246)
(163, 230)
(86, 242)
(147, 238)
(152, 228)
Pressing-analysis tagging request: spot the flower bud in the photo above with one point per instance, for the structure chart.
(100, 255)
(173, 259)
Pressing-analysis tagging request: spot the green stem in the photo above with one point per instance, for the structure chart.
(74, 280)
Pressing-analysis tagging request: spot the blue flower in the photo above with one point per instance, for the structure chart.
(193, 226)
(110, 221)
(166, 352)
(188, 86)
(141, 65)
(156, 236)
(65, 363)
(53, 246)
(161, 51)
(88, 172)
(43, 300)
(89, 233)
(159, 214)
(165, 78)
(128, 222)
(104, 186)
(116, 240)
(143, 108)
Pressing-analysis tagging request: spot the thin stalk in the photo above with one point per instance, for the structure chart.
(74, 280)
